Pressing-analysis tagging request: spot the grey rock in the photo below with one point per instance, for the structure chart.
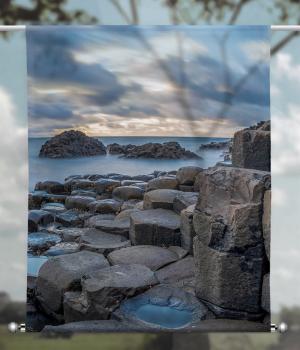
(117, 226)
(61, 273)
(37, 198)
(128, 192)
(83, 193)
(180, 252)
(187, 228)
(62, 249)
(186, 188)
(151, 256)
(38, 218)
(266, 222)
(69, 218)
(106, 185)
(184, 200)
(105, 206)
(53, 187)
(144, 178)
(252, 148)
(78, 202)
(71, 234)
(265, 297)
(187, 175)
(162, 198)
(130, 204)
(40, 241)
(82, 184)
(54, 208)
(166, 182)
(159, 227)
(70, 144)
(92, 221)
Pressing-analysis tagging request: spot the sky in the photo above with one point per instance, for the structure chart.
(285, 112)
(147, 81)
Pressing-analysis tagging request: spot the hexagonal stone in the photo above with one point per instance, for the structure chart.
(105, 206)
(69, 218)
(187, 175)
(83, 193)
(166, 182)
(106, 185)
(60, 273)
(150, 256)
(92, 221)
(39, 241)
(78, 202)
(187, 228)
(158, 227)
(184, 200)
(102, 242)
(177, 271)
(38, 218)
(82, 184)
(53, 187)
(62, 249)
(117, 226)
(128, 192)
(71, 234)
(162, 198)
(54, 208)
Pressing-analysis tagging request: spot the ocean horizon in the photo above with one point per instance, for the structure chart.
(42, 169)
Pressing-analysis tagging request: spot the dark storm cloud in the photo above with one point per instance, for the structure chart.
(50, 110)
(50, 59)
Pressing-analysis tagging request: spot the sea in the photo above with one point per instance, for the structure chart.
(42, 169)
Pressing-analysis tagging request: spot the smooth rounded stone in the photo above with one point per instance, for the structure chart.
(54, 208)
(69, 218)
(162, 198)
(38, 218)
(62, 249)
(266, 222)
(158, 227)
(177, 271)
(144, 178)
(37, 198)
(120, 177)
(83, 193)
(62, 272)
(117, 226)
(163, 307)
(53, 187)
(105, 206)
(180, 252)
(34, 263)
(184, 200)
(187, 228)
(125, 214)
(78, 202)
(38, 241)
(128, 192)
(70, 144)
(187, 175)
(163, 182)
(131, 204)
(142, 185)
(92, 221)
(106, 185)
(130, 182)
(104, 289)
(150, 256)
(71, 234)
(102, 242)
(82, 184)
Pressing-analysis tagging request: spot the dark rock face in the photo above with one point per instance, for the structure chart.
(252, 147)
(38, 218)
(166, 150)
(71, 144)
(229, 246)
(216, 145)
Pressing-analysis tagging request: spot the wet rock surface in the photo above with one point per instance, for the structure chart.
(72, 144)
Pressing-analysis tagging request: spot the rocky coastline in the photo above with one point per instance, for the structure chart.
(110, 244)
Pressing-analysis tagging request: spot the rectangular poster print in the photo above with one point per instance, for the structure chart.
(149, 155)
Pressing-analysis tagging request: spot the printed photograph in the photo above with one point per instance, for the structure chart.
(149, 178)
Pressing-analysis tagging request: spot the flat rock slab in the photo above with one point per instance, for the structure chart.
(53, 187)
(166, 182)
(84, 193)
(38, 241)
(71, 234)
(105, 206)
(117, 226)
(54, 208)
(128, 192)
(70, 218)
(147, 255)
(158, 227)
(162, 198)
(105, 289)
(78, 202)
(177, 271)
(38, 218)
(106, 185)
(102, 242)
(184, 200)
(62, 249)
(92, 221)
(161, 307)
(61, 273)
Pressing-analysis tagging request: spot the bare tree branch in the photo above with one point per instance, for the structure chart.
(238, 10)
(283, 42)
(135, 16)
(121, 11)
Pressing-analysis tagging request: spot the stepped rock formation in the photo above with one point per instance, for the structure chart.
(70, 144)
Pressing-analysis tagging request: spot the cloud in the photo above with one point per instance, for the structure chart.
(257, 50)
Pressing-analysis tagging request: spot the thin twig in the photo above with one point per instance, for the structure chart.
(121, 11)
(283, 42)
(237, 10)
(135, 16)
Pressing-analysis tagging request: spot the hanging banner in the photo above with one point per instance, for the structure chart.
(149, 178)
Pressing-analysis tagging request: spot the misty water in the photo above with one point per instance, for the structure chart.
(41, 169)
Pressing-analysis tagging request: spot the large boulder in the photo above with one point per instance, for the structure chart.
(252, 147)
(184, 200)
(62, 273)
(53, 187)
(116, 226)
(128, 192)
(106, 185)
(150, 256)
(38, 218)
(71, 144)
(105, 206)
(266, 222)
(187, 228)
(70, 217)
(187, 175)
(92, 221)
(79, 202)
(162, 198)
(159, 227)
(167, 182)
